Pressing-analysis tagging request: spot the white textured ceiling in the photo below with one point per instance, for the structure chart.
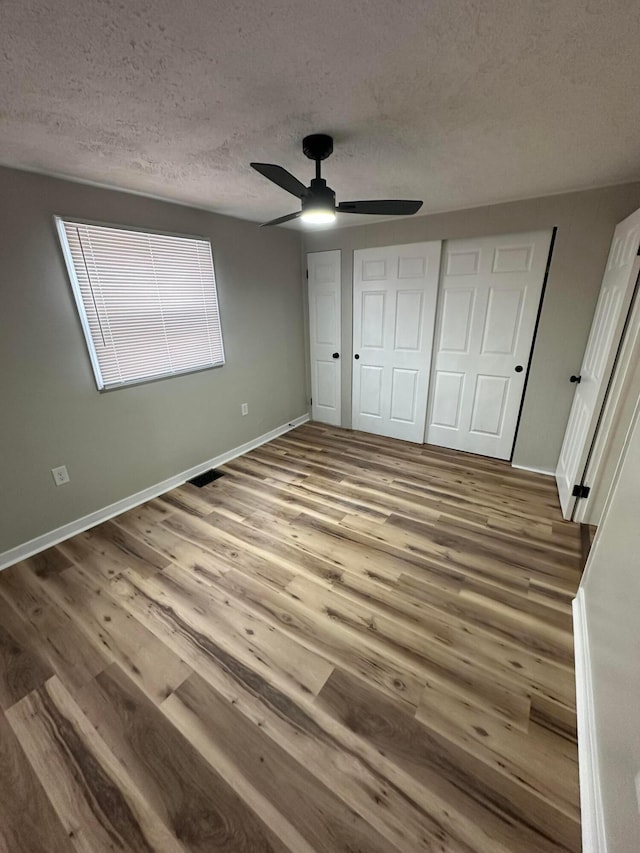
(457, 102)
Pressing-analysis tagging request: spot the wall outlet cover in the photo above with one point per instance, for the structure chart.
(60, 475)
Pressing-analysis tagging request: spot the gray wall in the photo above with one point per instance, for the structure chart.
(585, 223)
(117, 443)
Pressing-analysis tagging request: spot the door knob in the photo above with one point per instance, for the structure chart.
(576, 379)
(356, 356)
(336, 355)
(519, 368)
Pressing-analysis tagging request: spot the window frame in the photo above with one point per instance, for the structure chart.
(59, 222)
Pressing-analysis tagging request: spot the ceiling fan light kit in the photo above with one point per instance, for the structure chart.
(319, 206)
(318, 201)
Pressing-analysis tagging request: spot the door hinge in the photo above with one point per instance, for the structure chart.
(638, 249)
(307, 274)
(580, 491)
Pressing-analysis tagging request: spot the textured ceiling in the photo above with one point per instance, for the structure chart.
(457, 102)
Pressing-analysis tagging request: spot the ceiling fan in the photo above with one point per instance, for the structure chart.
(318, 200)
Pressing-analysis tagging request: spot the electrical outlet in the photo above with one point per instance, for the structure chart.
(60, 475)
(245, 408)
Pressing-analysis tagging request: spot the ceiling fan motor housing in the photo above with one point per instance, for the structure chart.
(319, 196)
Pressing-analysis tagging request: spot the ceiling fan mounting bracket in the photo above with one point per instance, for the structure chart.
(317, 146)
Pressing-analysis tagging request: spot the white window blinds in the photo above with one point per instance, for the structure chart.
(147, 302)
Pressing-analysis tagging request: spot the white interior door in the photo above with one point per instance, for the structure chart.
(394, 307)
(489, 300)
(324, 335)
(605, 336)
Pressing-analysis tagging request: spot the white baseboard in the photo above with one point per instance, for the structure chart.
(593, 830)
(544, 471)
(46, 540)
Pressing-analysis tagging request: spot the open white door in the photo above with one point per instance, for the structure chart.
(324, 335)
(394, 308)
(605, 337)
(489, 300)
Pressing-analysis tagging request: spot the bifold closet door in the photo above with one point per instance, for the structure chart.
(489, 299)
(394, 308)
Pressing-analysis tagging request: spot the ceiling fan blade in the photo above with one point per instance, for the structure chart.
(282, 219)
(282, 178)
(382, 207)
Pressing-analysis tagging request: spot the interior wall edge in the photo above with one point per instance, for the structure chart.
(47, 540)
(591, 804)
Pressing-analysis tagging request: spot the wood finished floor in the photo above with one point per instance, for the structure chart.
(346, 643)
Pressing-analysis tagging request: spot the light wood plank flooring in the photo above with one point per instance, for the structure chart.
(346, 643)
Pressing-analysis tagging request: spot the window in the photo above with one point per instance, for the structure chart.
(148, 302)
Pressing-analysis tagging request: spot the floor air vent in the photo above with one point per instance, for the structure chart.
(206, 478)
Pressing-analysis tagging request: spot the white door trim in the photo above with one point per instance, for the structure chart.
(591, 805)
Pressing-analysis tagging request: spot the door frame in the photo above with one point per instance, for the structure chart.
(625, 378)
(594, 441)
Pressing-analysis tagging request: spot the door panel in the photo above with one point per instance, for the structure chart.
(447, 399)
(324, 335)
(373, 308)
(490, 294)
(457, 314)
(502, 325)
(371, 390)
(325, 317)
(326, 390)
(513, 258)
(404, 385)
(462, 261)
(395, 292)
(487, 415)
(408, 317)
(609, 319)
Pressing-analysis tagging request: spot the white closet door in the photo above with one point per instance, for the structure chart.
(324, 335)
(489, 300)
(394, 305)
(609, 319)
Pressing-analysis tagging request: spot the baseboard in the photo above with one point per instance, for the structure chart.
(592, 814)
(544, 471)
(46, 540)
